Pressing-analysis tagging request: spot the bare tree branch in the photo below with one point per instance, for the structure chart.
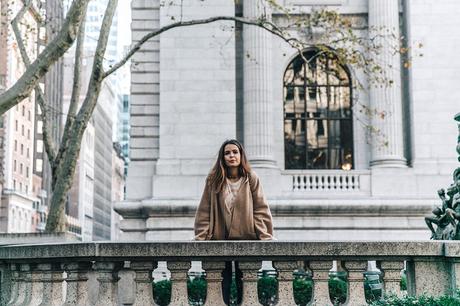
(75, 98)
(53, 51)
(262, 23)
(47, 140)
(66, 164)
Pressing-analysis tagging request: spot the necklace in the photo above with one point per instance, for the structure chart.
(232, 177)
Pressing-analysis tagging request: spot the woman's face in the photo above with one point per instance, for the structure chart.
(232, 155)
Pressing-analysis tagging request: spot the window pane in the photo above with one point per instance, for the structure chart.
(294, 144)
(317, 158)
(317, 114)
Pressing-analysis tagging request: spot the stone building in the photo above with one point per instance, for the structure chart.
(118, 187)
(18, 204)
(325, 176)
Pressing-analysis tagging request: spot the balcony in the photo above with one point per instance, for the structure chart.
(34, 274)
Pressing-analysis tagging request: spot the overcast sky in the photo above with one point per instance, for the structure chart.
(124, 22)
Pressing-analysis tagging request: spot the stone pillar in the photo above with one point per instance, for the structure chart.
(249, 270)
(258, 97)
(107, 276)
(387, 144)
(285, 278)
(179, 276)
(77, 286)
(391, 271)
(52, 278)
(143, 280)
(430, 276)
(356, 271)
(320, 277)
(214, 294)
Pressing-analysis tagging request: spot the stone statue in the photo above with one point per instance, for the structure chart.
(447, 216)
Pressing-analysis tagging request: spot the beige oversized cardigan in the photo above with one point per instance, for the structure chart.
(251, 220)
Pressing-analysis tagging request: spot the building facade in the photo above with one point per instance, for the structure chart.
(325, 176)
(18, 196)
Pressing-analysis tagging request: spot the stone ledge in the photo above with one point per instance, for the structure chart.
(365, 206)
(224, 250)
(23, 238)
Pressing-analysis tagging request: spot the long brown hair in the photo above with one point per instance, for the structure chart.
(218, 174)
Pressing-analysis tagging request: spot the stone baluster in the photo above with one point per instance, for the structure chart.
(36, 295)
(77, 286)
(391, 272)
(355, 271)
(285, 278)
(320, 277)
(51, 275)
(107, 276)
(249, 270)
(26, 291)
(179, 277)
(15, 280)
(214, 294)
(143, 280)
(296, 182)
(307, 182)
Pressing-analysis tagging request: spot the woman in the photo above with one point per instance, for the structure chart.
(233, 207)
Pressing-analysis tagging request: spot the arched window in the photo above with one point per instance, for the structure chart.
(318, 130)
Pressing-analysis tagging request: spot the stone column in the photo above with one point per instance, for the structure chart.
(391, 271)
(386, 99)
(143, 280)
(214, 294)
(179, 276)
(249, 270)
(107, 276)
(285, 278)
(258, 97)
(320, 276)
(77, 286)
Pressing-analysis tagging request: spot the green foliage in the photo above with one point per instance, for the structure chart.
(403, 282)
(303, 290)
(162, 292)
(338, 289)
(423, 300)
(197, 288)
(267, 289)
(233, 292)
(373, 286)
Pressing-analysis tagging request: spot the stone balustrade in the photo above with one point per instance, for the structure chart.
(90, 273)
(350, 182)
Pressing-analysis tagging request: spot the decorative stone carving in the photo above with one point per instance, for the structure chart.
(447, 216)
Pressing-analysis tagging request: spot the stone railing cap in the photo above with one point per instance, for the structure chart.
(223, 250)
